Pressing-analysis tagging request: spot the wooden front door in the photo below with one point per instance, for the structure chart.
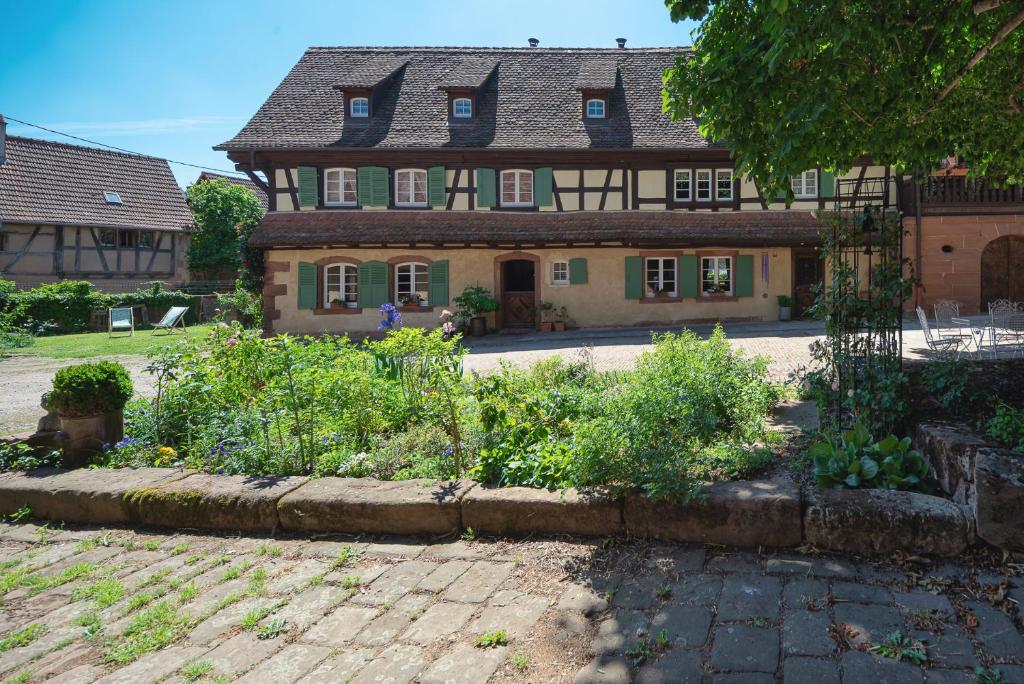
(518, 292)
(1002, 270)
(808, 271)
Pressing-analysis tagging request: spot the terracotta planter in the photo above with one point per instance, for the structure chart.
(478, 326)
(559, 326)
(545, 326)
(88, 434)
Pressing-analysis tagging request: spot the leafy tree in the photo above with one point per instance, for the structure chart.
(793, 84)
(225, 216)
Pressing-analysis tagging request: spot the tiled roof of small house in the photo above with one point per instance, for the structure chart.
(471, 72)
(370, 73)
(236, 180)
(45, 182)
(530, 102)
(425, 228)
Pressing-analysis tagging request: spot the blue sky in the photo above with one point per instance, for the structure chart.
(173, 79)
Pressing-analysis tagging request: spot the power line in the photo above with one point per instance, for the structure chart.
(120, 149)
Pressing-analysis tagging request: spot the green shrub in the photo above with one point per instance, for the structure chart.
(91, 388)
(67, 305)
(855, 460)
(14, 339)
(948, 382)
(248, 305)
(1007, 427)
(21, 456)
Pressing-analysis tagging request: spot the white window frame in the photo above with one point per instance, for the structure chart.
(363, 112)
(596, 100)
(414, 174)
(689, 185)
(413, 266)
(560, 272)
(455, 108)
(711, 185)
(719, 196)
(346, 287)
(661, 269)
(716, 265)
(341, 201)
(799, 184)
(519, 174)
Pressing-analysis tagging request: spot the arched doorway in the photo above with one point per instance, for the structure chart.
(518, 288)
(1002, 270)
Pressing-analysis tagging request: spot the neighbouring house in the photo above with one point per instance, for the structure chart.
(405, 175)
(81, 213)
(261, 194)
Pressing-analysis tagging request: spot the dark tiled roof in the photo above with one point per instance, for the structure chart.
(597, 73)
(51, 182)
(236, 180)
(677, 228)
(371, 72)
(471, 72)
(530, 102)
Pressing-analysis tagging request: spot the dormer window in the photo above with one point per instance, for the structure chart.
(462, 108)
(112, 197)
(595, 109)
(359, 107)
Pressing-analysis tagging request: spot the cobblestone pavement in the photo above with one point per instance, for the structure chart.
(133, 606)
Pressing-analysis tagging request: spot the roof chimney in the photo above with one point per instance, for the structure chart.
(621, 42)
(533, 42)
(3, 140)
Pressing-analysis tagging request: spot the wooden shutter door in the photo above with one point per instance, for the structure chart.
(486, 193)
(542, 196)
(364, 185)
(745, 275)
(577, 271)
(307, 285)
(381, 192)
(373, 284)
(309, 193)
(689, 275)
(634, 277)
(826, 184)
(435, 186)
(438, 275)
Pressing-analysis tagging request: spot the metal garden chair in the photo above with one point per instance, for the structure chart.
(174, 316)
(940, 346)
(948, 322)
(119, 320)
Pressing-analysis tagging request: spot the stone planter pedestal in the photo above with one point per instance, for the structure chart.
(86, 436)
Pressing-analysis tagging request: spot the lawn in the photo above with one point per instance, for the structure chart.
(88, 345)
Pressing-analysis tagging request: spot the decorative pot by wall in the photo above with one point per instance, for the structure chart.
(87, 435)
(478, 326)
(785, 313)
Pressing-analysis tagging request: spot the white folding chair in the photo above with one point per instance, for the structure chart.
(940, 346)
(120, 320)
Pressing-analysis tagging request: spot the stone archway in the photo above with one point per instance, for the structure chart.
(1002, 270)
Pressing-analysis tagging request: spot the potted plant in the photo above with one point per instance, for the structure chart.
(547, 315)
(474, 304)
(560, 319)
(90, 400)
(411, 300)
(785, 307)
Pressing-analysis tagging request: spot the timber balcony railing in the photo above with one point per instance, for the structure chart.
(962, 195)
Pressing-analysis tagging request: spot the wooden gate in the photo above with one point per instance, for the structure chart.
(1002, 270)
(518, 294)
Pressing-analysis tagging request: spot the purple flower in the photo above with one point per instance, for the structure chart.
(390, 317)
(232, 342)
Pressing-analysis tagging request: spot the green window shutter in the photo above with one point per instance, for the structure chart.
(435, 186)
(745, 275)
(364, 185)
(307, 285)
(634, 277)
(380, 193)
(689, 276)
(373, 284)
(826, 184)
(486, 191)
(577, 271)
(438, 273)
(542, 187)
(309, 194)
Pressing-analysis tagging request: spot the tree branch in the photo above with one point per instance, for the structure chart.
(982, 6)
(1000, 35)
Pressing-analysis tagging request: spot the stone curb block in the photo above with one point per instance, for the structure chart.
(79, 496)
(213, 502)
(366, 505)
(881, 522)
(754, 513)
(950, 451)
(999, 504)
(523, 510)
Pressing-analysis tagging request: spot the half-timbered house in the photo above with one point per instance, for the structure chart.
(405, 175)
(81, 213)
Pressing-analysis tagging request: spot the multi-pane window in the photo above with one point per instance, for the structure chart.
(411, 187)
(127, 238)
(341, 285)
(805, 185)
(359, 107)
(560, 273)
(716, 275)
(462, 108)
(723, 184)
(108, 237)
(145, 238)
(340, 186)
(595, 109)
(412, 284)
(661, 276)
(703, 185)
(517, 188)
(683, 191)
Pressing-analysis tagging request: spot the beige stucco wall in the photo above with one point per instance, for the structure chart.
(599, 302)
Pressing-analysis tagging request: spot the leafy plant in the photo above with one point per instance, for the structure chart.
(91, 388)
(784, 300)
(641, 652)
(474, 301)
(855, 460)
(1007, 427)
(491, 639)
(948, 382)
(22, 637)
(272, 629)
(900, 647)
(21, 456)
(990, 676)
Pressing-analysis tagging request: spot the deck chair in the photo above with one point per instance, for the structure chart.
(119, 320)
(174, 316)
(942, 347)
